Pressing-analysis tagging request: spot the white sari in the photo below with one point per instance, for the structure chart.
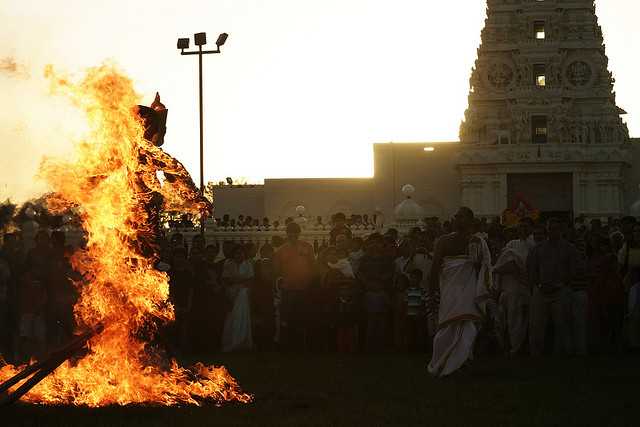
(463, 297)
(236, 334)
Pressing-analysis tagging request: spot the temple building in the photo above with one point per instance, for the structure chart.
(542, 113)
(542, 132)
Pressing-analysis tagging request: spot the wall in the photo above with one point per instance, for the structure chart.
(632, 177)
(432, 173)
(239, 200)
(320, 197)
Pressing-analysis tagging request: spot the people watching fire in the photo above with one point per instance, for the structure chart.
(349, 288)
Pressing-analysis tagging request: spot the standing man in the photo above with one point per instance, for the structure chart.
(461, 270)
(339, 228)
(515, 297)
(552, 267)
(181, 290)
(293, 265)
(579, 299)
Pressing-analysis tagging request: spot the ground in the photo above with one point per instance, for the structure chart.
(301, 390)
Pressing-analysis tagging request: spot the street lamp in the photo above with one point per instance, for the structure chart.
(200, 39)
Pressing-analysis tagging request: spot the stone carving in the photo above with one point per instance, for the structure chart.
(532, 154)
(579, 73)
(554, 70)
(577, 99)
(521, 128)
(500, 75)
(576, 130)
(585, 132)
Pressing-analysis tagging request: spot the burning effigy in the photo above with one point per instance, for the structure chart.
(113, 183)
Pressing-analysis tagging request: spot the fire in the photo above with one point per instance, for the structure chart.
(111, 181)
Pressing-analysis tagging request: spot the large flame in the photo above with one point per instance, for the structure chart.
(111, 182)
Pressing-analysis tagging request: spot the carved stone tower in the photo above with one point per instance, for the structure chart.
(542, 122)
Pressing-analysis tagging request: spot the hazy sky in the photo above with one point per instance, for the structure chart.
(302, 88)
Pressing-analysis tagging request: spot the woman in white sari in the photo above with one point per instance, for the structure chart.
(461, 271)
(236, 277)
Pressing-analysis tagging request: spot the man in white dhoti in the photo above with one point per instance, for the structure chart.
(461, 270)
(515, 296)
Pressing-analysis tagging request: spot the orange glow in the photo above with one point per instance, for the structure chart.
(120, 288)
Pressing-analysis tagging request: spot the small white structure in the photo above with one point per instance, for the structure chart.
(300, 219)
(408, 212)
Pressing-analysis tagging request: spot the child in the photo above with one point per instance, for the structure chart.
(377, 308)
(415, 310)
(341, 279)
(400, 336)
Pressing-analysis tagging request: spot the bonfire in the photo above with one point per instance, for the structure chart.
(113, 182)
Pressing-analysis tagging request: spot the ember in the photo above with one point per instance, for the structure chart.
(113, 183)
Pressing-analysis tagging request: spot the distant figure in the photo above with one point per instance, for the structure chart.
(460, 270)
(376, 274)
(262, 296)
(513, 282)
(339, 282)
(237, 277)
(579, 298)
(552, 267)
(61, 294)
(415, 325)
(629, 259)
(294, 268)
(339, 227)
(181, 290)
(606, 296)
(32, 299)
(200, 316)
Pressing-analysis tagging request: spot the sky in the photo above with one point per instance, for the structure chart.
(302, 88)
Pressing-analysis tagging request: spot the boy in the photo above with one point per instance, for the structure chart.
(415, 310)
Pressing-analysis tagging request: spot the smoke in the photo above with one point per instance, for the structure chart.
(34, 124)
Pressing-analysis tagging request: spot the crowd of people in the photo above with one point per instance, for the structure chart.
(36, 295)
(554, 287)
(247, 221)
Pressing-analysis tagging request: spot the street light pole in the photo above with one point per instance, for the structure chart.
(201, 126)
(200, 40)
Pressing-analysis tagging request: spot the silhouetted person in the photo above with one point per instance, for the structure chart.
(339, 227)
(32, 298)
(552, 267)
(181, 293)
(294, 267)
(62, 294)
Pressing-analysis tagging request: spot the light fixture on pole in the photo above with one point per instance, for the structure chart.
(200, 39)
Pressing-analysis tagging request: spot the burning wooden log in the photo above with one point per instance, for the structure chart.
(38, 371)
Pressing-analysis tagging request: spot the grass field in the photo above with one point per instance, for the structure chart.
(300, 390)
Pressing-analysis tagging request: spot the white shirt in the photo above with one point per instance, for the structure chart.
(521, 247)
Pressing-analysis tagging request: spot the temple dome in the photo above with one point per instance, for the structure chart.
(408, 211)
